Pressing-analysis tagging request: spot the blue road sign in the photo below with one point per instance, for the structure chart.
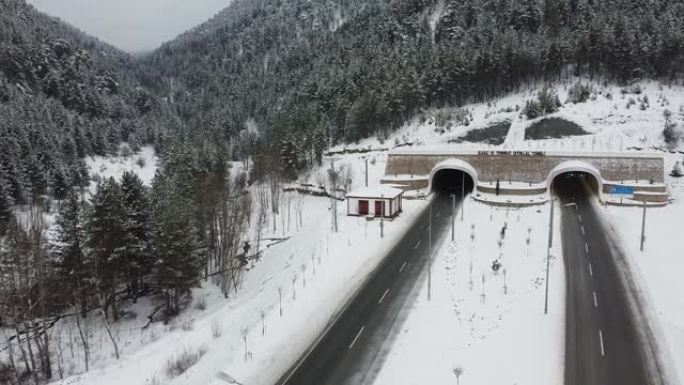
(622, 190)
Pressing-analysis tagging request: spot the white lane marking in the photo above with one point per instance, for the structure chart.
(603, 350)
(595, 300)
(402, 267)
(583, 233)
(383, 296)
(427, 227)
(580, 217)
(417, 244)
(586, 247)
(357, 337)
(591, 271)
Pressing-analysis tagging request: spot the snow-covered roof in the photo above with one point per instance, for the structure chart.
(379, 191)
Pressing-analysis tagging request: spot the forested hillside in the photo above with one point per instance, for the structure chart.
(317, 72)
(63, 95)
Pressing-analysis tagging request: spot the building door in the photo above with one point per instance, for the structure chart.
(363, 207)
(379, 208)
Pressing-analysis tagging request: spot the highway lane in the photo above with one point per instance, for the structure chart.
(602, 342)
(352, 349)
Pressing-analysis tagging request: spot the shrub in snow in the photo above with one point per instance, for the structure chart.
(579, 93)
(201, 304)
(141, 162)
(216, 329)
(677, 170)
(547, 103)
(178, 365)
(672, 134)
(445, 117)
(187, 325)
(126, 151)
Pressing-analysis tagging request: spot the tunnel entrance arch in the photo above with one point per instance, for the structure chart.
(450, 174)
(567, 173)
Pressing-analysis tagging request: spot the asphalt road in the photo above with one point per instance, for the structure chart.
(602, 342)
(352, 349)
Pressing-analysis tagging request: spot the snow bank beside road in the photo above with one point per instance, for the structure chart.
(658, 270)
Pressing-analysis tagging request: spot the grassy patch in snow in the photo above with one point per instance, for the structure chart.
(178, 365)
(493, 134)
(553, 128)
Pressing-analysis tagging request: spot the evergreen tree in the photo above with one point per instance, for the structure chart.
(137, 230)
(71, 267)
(106, 242)
(174, 243)
(60, 185)
(5, 206)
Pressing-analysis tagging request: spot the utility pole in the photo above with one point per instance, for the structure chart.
(462, 194)
(643, 228)
(548, 257)
(453, 214)
(429, 250)
(366, 171)
(382, 216)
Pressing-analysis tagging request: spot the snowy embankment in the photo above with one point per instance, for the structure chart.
(316, 269)
(657, 271)
(490, 325)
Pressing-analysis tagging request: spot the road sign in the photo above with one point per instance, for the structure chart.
(622, 190)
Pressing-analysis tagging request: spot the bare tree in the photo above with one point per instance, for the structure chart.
(262, 314)
(109, 333)
(333, 179)
(280, 300)
(245, 333)
(458, 372)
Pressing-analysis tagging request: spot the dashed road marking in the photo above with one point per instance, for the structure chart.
(603, 350)
(357, 337)
(583, 233)
(595, 300)
(586, 247)
(383, 296)
(580, 217)
(402, 267)
(591, 271)
(417, 244)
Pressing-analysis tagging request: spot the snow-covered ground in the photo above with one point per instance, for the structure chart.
(503, 337)
(507, 331)
(326, 268)
(143, 163)
(613, 115)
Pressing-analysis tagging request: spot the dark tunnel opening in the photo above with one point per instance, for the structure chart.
(452, 181)
(574, 183)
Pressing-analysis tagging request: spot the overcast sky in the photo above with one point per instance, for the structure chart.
(132, 25)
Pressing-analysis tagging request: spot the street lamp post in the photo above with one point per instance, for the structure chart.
(382, 216)
(453, 214)
(548, 257)
(429, 250)
(462, 194)
(643, 227)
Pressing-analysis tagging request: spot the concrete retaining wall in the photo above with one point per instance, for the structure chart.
(527, 167)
